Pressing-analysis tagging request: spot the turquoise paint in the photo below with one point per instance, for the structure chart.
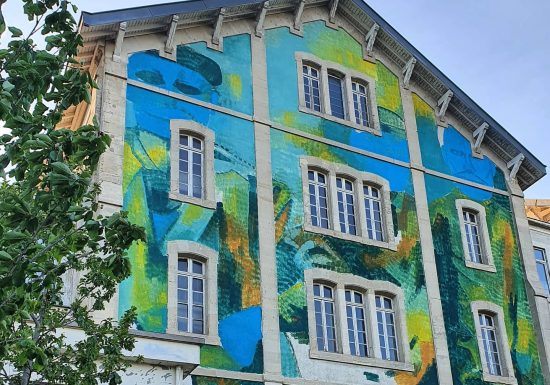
(281, 47)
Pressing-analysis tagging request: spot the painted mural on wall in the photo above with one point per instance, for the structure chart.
(460, 285)
(339, 47)
(446, 150)
(298, 250)
(230, 229)
(201, 380)
(220, 78)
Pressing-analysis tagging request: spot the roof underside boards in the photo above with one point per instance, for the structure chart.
(102, 26)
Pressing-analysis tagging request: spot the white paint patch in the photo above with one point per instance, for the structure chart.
(333, 372)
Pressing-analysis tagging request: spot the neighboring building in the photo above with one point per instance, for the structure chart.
(322, 205)
(538, 214)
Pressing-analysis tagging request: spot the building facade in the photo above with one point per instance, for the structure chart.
(322, 205)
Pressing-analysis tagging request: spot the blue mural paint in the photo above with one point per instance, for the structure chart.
(221, 78)
(240, 334)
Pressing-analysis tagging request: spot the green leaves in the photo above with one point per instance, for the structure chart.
(49, 227)
(15, 32)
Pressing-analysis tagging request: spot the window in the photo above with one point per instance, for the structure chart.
(192, 290)
(385, 319)
(346, 209)
(490, 346)
(337, 93)
(324, 317)
(542, 268)
(192, 163)
(475, 235)
(311, 88)
(191, 154)
(336, 96)
(357, 327)
(317, 182)
(492, 342)
(360, 104)
(373, 212)
(355, 320)
(346, 203)
(190, 294)
(471, 227)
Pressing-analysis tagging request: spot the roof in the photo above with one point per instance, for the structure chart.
(156, 19)
(538, 209)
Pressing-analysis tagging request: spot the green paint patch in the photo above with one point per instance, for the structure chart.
(372, 376)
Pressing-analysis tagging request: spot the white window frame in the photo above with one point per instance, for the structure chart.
(488, 263)
(178, 127)
(370, 288)
(507, 368)
(359, 178)
(348, 76)
(209, 257)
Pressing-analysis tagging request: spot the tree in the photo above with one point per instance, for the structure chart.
(48, 214)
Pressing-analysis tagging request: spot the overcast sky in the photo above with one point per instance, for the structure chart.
(497, 51)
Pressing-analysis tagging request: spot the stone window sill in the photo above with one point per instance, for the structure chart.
(481, 266)
(507, 380)
(206, 203)
(207, 338)
(365, 361)
(349, 237)
(345, 122)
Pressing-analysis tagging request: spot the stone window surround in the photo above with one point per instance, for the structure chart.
(178, 126)
(505, 357)
(348, 75)
(487, 254)
(359, 178)
(369, 288)
(210, 258)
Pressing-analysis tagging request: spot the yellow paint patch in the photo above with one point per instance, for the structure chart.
(191, 214)
(158, 155)
(235, 85)
(131, 166)
(421, 108)
(525, 331)
(387, 89)
(419, 324)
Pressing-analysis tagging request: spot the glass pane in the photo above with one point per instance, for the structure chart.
(182, 310)
(197, 267)
(327, 292)
(198, 326)
(182, 282)
(182, 264)
(184, 140)
(182, 296)
(543, 277)
(198, 298)
(197, 144)
(198, 284)
(197, 313)
(316, 290)
(182, 324)
(539, 255)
